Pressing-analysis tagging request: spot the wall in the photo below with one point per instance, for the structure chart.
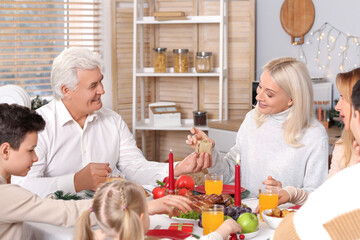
(107, 98)
(272, 41)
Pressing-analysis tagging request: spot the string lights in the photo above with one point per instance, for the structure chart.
(327, 37)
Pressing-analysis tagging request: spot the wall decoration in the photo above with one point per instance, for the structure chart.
(297, 18)
(330, 41)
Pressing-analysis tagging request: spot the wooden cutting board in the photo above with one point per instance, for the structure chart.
(297, 18)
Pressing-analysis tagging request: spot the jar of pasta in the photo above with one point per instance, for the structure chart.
(203, 62)
(160, 60)
(181, 60)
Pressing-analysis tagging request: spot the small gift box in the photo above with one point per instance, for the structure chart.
(186, 227)
(203, 146)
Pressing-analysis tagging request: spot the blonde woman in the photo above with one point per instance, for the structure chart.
(279, 139)
(343, 155)
(121, 212)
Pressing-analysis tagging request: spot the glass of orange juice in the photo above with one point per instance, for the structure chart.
(213, 183)
(114, 177)
(212, 217)
(268, 198)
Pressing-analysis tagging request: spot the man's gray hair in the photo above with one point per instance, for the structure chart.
(65, 67)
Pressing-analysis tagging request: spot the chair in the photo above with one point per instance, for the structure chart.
(14, 94)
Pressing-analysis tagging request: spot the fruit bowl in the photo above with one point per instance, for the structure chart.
(272, 222)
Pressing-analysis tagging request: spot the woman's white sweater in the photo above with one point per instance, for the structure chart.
(264, 152)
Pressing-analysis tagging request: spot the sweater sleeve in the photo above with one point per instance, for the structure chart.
(336, 159)
(286, 229)
(297, 196)
(22, 206)
(317, 164)
(227, 164)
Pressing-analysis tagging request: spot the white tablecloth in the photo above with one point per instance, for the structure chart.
(40, 231)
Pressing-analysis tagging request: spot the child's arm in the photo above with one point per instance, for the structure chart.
(24, 206)
(225, 229)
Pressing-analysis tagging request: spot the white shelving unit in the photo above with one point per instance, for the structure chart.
(139, 71)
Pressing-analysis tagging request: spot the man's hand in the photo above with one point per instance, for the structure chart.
(193, 163)
(170, 204)
(356, 150)
(272, 182)
(91, 176)
(197, 135)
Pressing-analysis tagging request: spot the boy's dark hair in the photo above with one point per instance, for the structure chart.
(16, 121)
(355, 97)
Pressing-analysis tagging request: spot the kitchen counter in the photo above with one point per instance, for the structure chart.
(230, 125)
(234, 124)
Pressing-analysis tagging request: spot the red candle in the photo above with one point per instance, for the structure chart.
(237, 182)
(171, 173)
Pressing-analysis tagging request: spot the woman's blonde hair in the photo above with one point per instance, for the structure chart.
(294, 78)
(345, 83)
(117, 207)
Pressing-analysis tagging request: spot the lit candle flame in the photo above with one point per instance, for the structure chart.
(237, 158)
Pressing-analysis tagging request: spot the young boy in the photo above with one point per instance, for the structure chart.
(355, 120)
(19, 128)
(18, 138)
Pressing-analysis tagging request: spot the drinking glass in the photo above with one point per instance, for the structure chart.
(212, 217)
(213, 183)
(114, 177)
(268, 198)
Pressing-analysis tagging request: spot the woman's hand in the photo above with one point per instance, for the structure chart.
(284, 197)
(193, 163)
(197, 135)
(169, 204)
(272, 182)
(228, 227)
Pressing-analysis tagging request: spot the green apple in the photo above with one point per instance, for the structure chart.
(248, 222)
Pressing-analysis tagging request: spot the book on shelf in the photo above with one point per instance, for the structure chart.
(170, 18)
(169, 14)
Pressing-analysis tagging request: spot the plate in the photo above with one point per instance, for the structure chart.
(167, 233)
(89, 193)
(227, 189)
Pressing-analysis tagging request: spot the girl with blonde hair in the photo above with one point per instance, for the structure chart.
(279, 139)
(121, 212)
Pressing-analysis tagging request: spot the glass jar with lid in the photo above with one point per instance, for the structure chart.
(199, 118)
(181, 60)
(203, 62)
(160, 60)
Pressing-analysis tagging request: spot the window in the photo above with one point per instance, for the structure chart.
(33, 33)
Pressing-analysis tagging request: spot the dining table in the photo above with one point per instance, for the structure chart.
(41, 231)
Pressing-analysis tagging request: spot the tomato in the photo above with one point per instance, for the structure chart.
(233, 236)
(185, 181)
(158, 192)
(183, 191)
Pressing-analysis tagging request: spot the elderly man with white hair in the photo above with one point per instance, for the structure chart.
(84, 141)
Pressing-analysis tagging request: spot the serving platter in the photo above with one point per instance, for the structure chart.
(227, 189)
